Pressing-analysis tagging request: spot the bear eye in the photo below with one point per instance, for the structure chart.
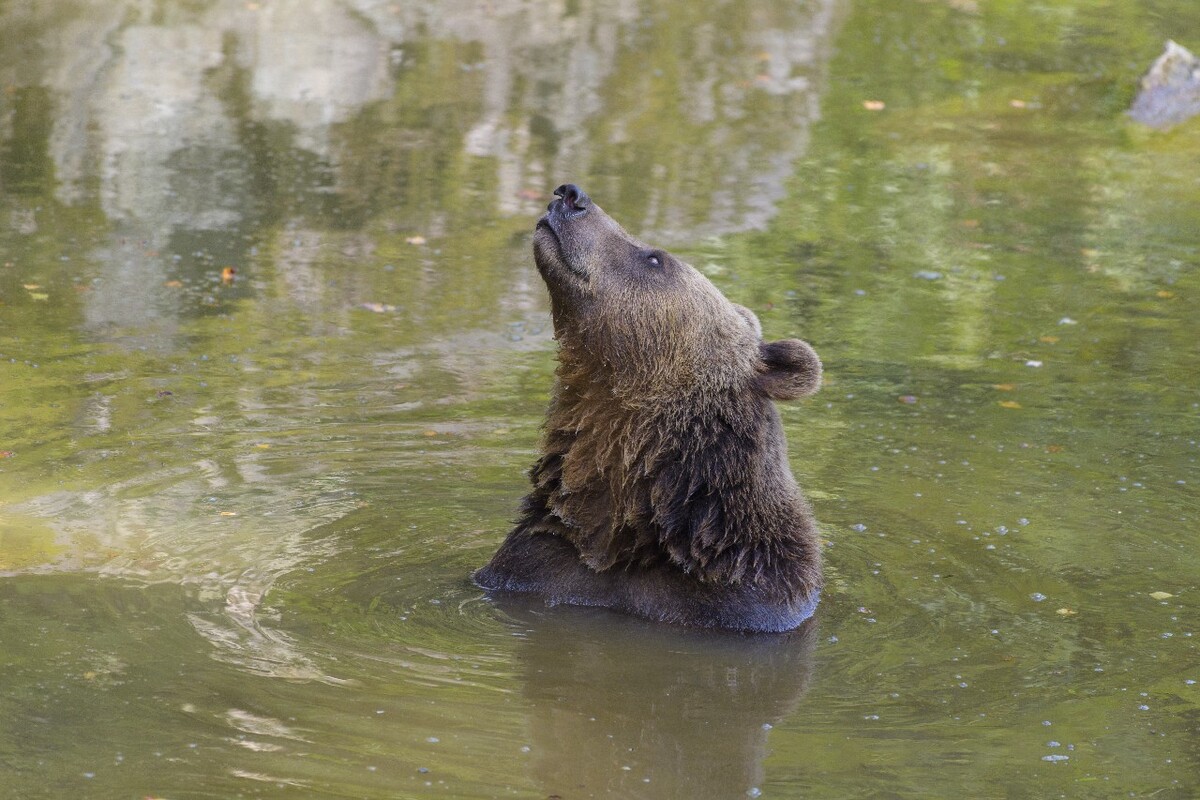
(654, 259)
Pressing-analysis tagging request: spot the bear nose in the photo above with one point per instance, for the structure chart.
(573, 198)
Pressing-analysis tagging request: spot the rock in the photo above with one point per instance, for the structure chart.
(1170, 91)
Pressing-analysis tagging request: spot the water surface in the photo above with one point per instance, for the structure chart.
(273, 361)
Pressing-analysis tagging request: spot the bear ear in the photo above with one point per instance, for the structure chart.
(788, 369)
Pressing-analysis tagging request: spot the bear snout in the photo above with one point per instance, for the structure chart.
(573, 199)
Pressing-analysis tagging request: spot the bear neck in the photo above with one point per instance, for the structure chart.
(696, 477)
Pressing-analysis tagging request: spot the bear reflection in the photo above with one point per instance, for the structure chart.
(626, 708)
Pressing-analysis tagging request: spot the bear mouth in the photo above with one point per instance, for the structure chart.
(549, 253)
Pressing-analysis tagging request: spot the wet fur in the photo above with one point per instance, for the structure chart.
(663, 489)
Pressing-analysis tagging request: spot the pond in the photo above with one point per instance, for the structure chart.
(274, 360)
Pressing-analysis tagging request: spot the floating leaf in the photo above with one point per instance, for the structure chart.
(1009, 404)
(1066, 612)
(429, 434)
(7, 454)
(378, 308)
(174, 284)
(262, 446)
(1048, 339)
(417, 240)
(39, 296)
(1054, 448)
(907, 399)
(1163, 294)
(29, 287)
(228, 513)
(1004, 387)
(874, 105)
(227, 274)
(1161, 595)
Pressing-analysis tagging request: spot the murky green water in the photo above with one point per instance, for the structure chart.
(238, 511)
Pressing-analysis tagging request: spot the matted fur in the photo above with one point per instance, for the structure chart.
(663, 489)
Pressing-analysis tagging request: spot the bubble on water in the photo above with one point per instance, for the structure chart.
(1023, 521)
(766, 726)
(1055, 758)
(1053, 743)
(858, 526)
(1047, 723)
(871, 716)
(1143, 707)
(754, 791)
(1037, 597)
(1189, 682)
(432, 739)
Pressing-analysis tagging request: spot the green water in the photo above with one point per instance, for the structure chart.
(237, 514)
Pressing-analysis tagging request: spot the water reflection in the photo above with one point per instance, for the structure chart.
(624, 708)
(311, 145)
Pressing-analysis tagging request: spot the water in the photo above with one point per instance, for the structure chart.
(274, 359)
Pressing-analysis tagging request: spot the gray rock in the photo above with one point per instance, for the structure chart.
(1170, 91)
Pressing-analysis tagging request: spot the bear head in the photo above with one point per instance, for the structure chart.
(648, 325)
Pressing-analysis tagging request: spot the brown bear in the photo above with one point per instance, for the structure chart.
(663, 489)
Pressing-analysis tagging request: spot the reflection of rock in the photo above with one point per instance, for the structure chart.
(624, 708)
(172, 534)
(313, 64)
(562, 90)
(1170, 91)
